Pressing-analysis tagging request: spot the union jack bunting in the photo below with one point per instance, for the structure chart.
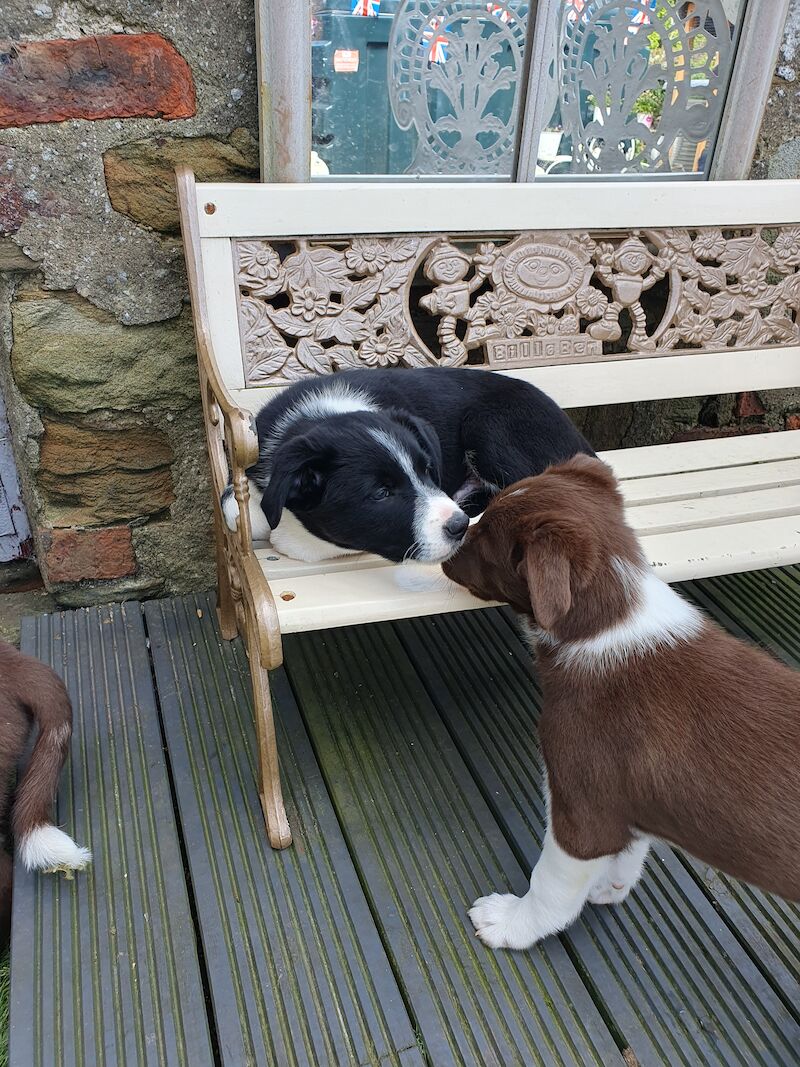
(576, 7)
(366, 7)
(638, 18)
(499, 11)
(434, 42)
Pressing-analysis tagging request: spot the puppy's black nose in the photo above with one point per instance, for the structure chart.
(456, 525)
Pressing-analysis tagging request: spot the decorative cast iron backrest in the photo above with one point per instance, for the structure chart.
(313, 306)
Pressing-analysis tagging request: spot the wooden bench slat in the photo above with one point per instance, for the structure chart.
(676, 980)
(716, 481)
(346, 208)
(686, 554)
(578, 385)
(104, 968)
(346, 597)
(717, 510)
(685, 456)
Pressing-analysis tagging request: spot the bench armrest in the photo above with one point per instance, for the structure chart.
(232, 449)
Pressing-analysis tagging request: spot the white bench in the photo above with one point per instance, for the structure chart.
(561, 280)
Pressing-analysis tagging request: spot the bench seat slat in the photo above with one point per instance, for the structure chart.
(716, 481)
(348, 597)
(698, 512)
(685, 456)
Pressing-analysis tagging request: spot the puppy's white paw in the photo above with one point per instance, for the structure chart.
(502, 920)
(604, 891)
(230, 509)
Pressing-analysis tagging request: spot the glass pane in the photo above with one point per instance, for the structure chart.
(638, 87)
(425, 87)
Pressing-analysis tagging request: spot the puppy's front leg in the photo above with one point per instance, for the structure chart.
(560, 884)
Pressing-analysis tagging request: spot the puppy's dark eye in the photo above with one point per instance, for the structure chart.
(382, 493)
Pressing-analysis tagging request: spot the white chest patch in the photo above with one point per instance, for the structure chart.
(660, 619)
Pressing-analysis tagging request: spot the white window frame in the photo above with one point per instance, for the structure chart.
(283, 48)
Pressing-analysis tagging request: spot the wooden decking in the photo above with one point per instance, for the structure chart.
(413, 783)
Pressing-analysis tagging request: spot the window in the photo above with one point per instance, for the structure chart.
(505, 90)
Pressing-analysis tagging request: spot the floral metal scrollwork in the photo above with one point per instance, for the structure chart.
(454, 74)
(540, 297)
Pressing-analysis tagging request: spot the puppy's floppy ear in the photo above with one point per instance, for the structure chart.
(297, 477)
(546, 568)
(425, 434)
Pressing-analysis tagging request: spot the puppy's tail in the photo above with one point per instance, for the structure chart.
(41, 845)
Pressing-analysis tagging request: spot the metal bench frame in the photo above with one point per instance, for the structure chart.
(701, 508)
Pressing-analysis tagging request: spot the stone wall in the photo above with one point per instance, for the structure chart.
(96, 347)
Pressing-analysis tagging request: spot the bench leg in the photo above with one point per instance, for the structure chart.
(269, 779)
(226, 608)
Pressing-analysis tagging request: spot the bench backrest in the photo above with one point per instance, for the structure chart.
(599, 293)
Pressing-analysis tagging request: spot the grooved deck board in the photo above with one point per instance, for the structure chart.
(297, 972)
(104, 968)
(425, 842)
(412, 777)
(762, 606)
(677, 981)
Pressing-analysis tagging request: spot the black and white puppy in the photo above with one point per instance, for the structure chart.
(394, 461)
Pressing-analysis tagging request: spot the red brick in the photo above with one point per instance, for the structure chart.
(709, 433)
(792, 422)
(73, 555)
(115, 76)
(748, 404)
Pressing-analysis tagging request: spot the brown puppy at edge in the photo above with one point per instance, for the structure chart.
(655, 722)
(32, 694)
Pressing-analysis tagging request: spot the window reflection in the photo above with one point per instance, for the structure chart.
(637, 87)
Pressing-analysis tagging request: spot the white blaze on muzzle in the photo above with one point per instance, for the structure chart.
(433, 508)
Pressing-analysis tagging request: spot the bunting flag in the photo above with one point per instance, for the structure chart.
(366, 7)
(434, 42)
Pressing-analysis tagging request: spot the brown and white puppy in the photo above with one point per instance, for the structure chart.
(655, 722)
(32, 694)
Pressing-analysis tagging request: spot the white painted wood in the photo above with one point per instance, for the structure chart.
(684, 456)
(577, 385)
(283, 52)
(693, 374)
(223, 315)
(719, 510)
(344, 598)
(748, 546)
(717, 481)
(751, 80)
(278, 567)
(351, 208)
(541, 92)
